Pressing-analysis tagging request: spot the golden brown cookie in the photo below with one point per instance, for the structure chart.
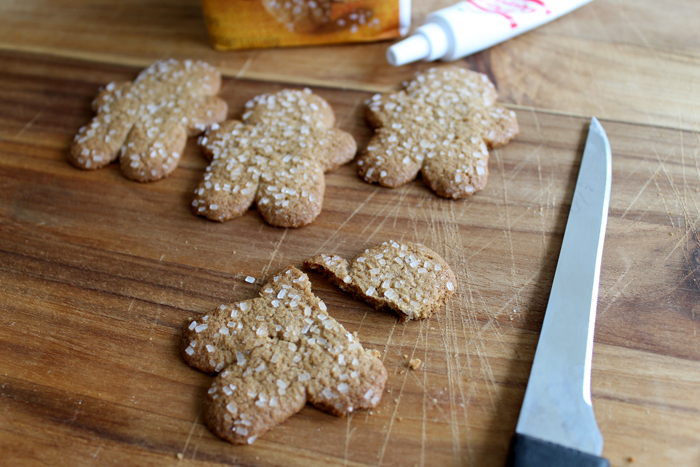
(148, 120)
(406, 277)
(441, 125)
(278, 352)
(274, 158)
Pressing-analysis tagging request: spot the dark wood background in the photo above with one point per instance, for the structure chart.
(98, 273)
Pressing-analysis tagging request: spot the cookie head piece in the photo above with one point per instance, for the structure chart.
(408, 278)
(275, 158)
(440, 125)
(145, 123)
(275, 353)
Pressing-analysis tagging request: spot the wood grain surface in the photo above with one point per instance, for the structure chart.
(98, 274)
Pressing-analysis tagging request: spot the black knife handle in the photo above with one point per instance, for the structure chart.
(526, 451)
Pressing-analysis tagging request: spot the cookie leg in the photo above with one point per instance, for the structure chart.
(228, 188)
(243, 403)
(97, 144)
(151, 153)
(291, 196)
(342, 387)
(391, 159)
(459, 170)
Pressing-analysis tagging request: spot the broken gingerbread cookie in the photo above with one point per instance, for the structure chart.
(408, 278)
(276, 158)
(278, 352)
(145, 123)
(440, 125)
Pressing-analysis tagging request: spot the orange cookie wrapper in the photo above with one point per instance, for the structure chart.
(246, 24)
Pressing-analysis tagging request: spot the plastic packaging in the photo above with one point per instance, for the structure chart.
(242, 24)
(474, 25)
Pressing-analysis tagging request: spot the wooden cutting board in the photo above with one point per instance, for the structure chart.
(98, 274)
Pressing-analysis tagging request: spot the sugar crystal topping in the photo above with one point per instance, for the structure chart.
(441, 124)
(406, 277)
(146, 122)
(275, 158)
(280, 345)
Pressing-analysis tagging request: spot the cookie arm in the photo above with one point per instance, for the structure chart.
(203, 112)
(109, 94)
(502, 127)
(97, 144)
(376, 110)
(339, 148)
(390, 159)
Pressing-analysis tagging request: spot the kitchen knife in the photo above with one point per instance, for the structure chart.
(557, 426)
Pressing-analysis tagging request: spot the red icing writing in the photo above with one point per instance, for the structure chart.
(506, 8)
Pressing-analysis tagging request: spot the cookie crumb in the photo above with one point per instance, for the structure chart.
(180, 456)
(415, 363)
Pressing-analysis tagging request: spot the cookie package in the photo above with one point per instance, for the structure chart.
(440, 125)
(145, 123)
(275, 353)
(243, 24)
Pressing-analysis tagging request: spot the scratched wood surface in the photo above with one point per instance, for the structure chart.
(628, 60)
(98, 274)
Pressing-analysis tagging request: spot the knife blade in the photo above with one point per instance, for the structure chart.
(557, 426)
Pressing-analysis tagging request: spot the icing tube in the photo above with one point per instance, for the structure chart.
(474, 25)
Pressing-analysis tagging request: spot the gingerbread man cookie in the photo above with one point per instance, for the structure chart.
(408, 278)
(441, 125)
(148, 120)
(278, 352)
(275, 158)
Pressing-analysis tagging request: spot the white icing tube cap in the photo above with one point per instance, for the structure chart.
(429, 42)
(469, 26)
